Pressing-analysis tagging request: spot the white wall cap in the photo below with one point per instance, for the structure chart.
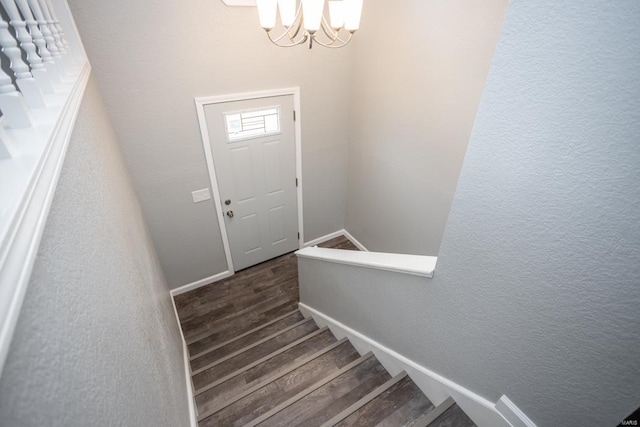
(418, 265)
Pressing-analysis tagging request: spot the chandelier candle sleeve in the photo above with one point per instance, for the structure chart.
(287, 12)
(312, 12)
(353, 14)
(336, 14)
(304, 21)
(267, 13)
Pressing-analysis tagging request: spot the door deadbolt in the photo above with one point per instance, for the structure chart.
(230, 214)
(227, 202)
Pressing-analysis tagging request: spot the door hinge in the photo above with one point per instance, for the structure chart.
(298, 235)
(296, 182)
(294, 115)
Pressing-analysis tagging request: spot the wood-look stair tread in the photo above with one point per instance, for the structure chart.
(254, 334)
(330, 396)
(220, 309)
(211, 378)
(244, 322)
(237, 319)
(225, 392)
(283, 385)
(401, 405)
(453, 416)
(365, 400)
(210, 360)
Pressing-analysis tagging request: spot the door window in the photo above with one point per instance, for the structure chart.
(248, 124)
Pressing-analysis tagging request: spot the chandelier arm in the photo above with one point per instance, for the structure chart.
(328, 31)
(287, 34)
(334, 46)
(298, 18)
(293, 43)
(298, 26)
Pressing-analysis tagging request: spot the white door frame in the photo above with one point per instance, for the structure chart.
(206, 142)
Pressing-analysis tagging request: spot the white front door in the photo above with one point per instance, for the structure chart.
(254, 155)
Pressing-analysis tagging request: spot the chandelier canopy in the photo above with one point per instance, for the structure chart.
(304, 21)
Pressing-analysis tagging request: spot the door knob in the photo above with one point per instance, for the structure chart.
(230, 214)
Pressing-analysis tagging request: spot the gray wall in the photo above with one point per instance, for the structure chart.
(416, 90)
(151, 59)
(536, 292)
(97, 342)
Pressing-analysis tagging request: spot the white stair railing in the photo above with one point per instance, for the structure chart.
(48, 36)
(55, 23)
(39, 41)
(24, 79)
(26, 42)
(40, 94)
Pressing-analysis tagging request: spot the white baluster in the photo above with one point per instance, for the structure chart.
(52, 26)
(25, 81)
(56, 23)
(26, 42)
(14, 109)
(39, 40)
(48, 37)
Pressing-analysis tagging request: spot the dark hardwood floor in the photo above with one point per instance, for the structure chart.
(222, 310)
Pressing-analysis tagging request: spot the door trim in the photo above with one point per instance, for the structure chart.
(201, 102)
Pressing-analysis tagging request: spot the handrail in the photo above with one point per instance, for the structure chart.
(417, 265)
(40, 95)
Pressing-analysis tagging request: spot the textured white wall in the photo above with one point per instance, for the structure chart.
(536, 292)
(417, 83)
(97, 343)
(151, 58)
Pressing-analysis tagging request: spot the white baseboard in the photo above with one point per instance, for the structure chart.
(355, 241)
(436, 387)
(325, 238)
(512, 413)
(200, 283)
(333, 235)
(193, 416)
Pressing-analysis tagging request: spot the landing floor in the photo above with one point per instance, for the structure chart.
(254, 296)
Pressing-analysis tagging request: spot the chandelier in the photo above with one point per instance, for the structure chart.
(304, 21)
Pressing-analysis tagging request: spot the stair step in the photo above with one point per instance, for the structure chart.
(212, 377)
(400, 405)
(282, 386)
(206, 331)
(328, 397)
(215, 358)
(252, 335)
(451, 416)
(346, 413)
(220, 395)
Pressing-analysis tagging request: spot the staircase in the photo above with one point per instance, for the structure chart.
(257, 361)
(289, 372)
